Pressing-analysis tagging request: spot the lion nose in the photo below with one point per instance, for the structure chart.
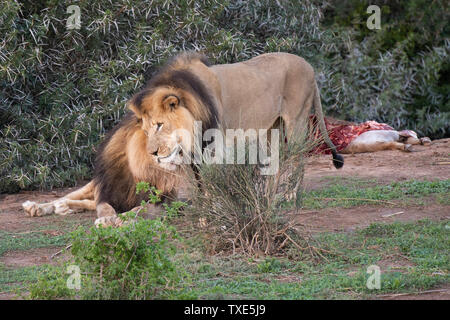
(159, 152)
(163, 151)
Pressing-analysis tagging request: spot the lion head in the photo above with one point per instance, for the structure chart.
(167, 109)
(167, 124)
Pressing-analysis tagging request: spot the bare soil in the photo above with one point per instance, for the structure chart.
(29, 258)
(425, 163)
(349, 219)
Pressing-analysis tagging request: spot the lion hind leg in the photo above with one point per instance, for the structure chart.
(399, 146)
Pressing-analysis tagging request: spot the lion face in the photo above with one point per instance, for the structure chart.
(167, 124)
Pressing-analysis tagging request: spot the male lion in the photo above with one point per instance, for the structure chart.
(253, 94)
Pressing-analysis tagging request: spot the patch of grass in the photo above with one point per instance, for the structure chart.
(412, 256)
(345, 195)
(355, 182)
(340, 274)
(269, 265)
(11, 279)
(25, 241)
(443, 198)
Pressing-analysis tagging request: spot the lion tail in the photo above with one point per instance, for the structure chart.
(338, 160)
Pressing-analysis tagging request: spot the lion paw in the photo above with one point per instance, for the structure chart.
(425, 141)
(61, 207)
(113, 221)
(32, 209)
(408, 148)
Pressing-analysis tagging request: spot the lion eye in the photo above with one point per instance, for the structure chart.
(159, 126)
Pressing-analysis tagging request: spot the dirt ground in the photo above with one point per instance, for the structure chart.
(425, 163)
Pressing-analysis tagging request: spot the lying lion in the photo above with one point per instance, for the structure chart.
(250, 94)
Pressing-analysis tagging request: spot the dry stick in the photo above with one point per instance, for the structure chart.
(281, 246)
(128, 264)
(410, 293)
(392, 214)
(293, 242)
(246, 225)
(357, 199)
(316, 250)
(60, 251)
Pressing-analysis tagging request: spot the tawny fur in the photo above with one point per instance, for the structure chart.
(126, 156)
(247, 95)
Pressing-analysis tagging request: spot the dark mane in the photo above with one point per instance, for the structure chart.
(176, 74)
(112, 176)
(115, 183)
(188, 57)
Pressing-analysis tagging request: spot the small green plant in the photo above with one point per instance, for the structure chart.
(173, 209)
(269, 265)
(153, 193)
(130, 262)
(154, 197)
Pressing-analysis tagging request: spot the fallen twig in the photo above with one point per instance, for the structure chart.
(411, 293)
(392, 214)
(60, 251)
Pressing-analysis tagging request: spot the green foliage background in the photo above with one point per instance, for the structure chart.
(61, 89)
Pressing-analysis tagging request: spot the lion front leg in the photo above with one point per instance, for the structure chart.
(107, 216)
(34, 209)
(79, 199)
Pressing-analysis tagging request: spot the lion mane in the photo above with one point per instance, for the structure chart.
(122, 160)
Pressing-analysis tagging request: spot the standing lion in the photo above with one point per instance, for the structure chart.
(253, 94)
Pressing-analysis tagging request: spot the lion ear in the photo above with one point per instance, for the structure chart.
(131, 106)
(171, 102)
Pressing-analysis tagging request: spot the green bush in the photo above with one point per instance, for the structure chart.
(61, 90)
(399, 74)
(130, 262)
(134, 261)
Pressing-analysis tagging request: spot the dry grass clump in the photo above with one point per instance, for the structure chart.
(242, 210)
